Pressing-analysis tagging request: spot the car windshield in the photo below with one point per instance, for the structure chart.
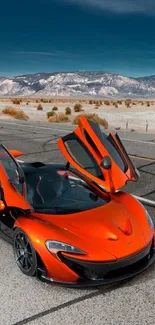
(49, 192)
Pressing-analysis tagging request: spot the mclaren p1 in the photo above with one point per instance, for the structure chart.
(72, 224)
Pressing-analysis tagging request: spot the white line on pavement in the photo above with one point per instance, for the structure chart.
(36, 127)
(138, 141)
(68, 130)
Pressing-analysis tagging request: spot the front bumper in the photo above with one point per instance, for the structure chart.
(107, 273)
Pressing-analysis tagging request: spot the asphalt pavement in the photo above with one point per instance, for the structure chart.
(25, 300)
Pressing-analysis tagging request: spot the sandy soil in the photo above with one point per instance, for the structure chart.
(136, 117)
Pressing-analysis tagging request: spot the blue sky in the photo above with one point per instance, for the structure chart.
(68, 35)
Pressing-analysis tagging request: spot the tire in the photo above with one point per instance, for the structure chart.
(24, 253)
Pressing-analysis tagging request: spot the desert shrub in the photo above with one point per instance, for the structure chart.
(55, 109)
(116, 105)
(58, 118)
(49, 114)
(53, 119)
(27, 103)
(92, 117)
(39, 107)
(107, 102)
(16, 101)
(119, 102)
(9, 111)
(62, 117)
(20, 115)
(77, 107)
(43, 100)
(37, 101)
(97, 102)
(128, 103)
(96, 107)
(68, 111)
(90, 102)
(17, 114)
(148, 104)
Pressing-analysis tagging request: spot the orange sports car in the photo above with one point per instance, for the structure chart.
(70, 223)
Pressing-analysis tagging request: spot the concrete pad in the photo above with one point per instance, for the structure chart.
(21, 296)
(125, 305)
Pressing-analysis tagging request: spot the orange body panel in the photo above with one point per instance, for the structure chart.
(12, 197)
(109, 233)
(16, 153)
(114, 178)
(114, 231)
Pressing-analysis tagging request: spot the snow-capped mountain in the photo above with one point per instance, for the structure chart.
(74, 84)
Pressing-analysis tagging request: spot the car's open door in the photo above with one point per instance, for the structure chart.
(97, 156)
(12, 182)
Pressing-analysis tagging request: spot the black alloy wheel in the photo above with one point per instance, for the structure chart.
(24, 253)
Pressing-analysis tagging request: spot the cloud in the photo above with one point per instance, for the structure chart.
(39, 53)
(58, 54)
(119, 6)
(149, 52)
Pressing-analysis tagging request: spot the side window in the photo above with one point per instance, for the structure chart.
(11, 169)
(82, 156)
(109, 145)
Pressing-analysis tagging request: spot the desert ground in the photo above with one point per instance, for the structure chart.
(134, 115)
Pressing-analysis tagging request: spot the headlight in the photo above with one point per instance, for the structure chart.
(149, 220)
(56, 246)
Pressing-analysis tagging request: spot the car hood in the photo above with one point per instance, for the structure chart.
(118, 229)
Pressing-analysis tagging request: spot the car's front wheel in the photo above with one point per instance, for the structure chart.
(24, 253)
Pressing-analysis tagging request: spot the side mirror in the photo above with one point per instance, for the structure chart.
(106, 163)
(2, 205)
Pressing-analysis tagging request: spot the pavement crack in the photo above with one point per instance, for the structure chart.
(52, 310)
(57, 308)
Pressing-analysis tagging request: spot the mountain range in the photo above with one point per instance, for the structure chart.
(78, 84)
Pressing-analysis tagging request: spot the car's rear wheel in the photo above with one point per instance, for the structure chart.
(24, 253)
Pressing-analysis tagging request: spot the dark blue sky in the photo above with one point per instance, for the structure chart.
(66, 35)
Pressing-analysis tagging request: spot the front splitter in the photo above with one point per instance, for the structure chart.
(111, 280)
